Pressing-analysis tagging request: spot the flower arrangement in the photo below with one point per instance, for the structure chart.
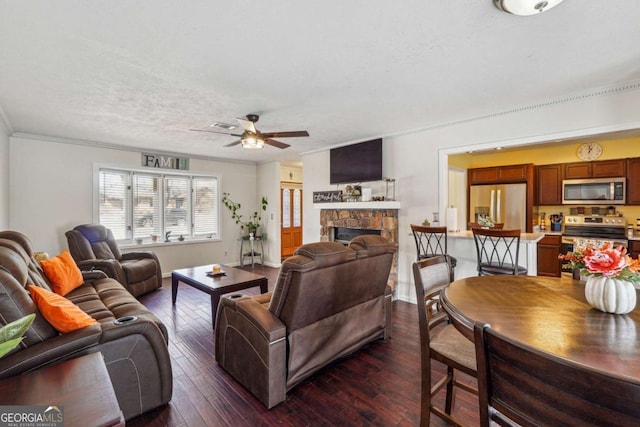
(485, 221)
(604, 260)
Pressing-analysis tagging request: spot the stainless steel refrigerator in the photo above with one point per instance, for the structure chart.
(505, 203)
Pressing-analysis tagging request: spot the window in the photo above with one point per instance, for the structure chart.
(135, 204)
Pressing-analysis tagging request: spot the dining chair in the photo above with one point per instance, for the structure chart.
(497, 251)
(519, 385)
(439, 340)
(431, 242)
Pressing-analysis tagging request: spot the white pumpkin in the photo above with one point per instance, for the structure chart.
(610, 295)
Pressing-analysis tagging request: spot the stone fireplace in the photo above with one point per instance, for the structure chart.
(362, 221)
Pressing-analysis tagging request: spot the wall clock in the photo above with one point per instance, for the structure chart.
(589, 151)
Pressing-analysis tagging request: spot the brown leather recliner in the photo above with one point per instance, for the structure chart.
(328, 302)
(132, 340)
(93, 247)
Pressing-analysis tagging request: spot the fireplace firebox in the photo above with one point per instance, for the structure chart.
(344, 234)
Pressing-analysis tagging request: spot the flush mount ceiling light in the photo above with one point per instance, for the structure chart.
(525, 7)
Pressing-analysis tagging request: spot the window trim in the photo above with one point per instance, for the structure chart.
(162, 174)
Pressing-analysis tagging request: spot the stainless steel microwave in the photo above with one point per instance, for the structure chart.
(596, 191)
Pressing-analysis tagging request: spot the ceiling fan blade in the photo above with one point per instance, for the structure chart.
(275, 143)
(234, 143)
(214, 131)
(292, 134)
(247, 124)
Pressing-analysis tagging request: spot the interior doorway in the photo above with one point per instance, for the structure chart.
(291, 220)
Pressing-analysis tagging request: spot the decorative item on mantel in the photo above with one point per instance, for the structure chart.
(327, 196)
(390, 189)
(610, 274)
(351, 193)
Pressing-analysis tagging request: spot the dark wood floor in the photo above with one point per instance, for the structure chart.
(379, 385)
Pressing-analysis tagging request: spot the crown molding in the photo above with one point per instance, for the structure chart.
(111, 146)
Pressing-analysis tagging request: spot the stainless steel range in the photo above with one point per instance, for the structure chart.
(598, 229)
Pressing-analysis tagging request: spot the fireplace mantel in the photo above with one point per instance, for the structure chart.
(358, 205)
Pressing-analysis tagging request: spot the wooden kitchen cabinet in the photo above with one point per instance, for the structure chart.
(633, 181)
(578, 170)
(499, 174)
(608, 168)
(548, 251)
(483, 175)
(549, 184)
(599, 169)
(513, 173)
(634, 248)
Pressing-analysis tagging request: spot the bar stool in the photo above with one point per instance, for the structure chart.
(497, 251)
(431, 242)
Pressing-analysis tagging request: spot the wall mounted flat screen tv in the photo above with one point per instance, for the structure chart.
(356, 163)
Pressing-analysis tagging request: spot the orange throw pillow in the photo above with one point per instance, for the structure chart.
(63, 315)
(63, 273)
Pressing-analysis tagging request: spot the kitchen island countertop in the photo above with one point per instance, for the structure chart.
(524, 237)
(462, 247)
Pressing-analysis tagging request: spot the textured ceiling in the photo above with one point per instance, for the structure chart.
(142, 73)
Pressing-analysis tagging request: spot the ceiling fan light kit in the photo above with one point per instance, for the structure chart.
(252, 138)
(525, 7)
(252, 143)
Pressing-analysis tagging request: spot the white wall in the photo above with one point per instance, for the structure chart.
(4, 176)
(315, 177)
(290, 174)
(418, 161)
(52, 191)
(269, 186)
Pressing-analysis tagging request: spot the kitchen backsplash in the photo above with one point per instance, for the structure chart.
(630, 212)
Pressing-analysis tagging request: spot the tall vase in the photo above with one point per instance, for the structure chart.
(610, 295)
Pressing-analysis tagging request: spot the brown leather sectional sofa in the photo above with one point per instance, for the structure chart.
(328, 302)
(132, 340)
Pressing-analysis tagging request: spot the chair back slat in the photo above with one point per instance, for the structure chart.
(522, 385)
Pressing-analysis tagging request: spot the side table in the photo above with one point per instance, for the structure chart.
(252, 242)
(81, 386)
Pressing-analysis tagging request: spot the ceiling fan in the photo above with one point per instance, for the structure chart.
(253, 138)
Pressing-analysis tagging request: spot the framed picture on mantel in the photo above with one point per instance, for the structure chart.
(327, 196)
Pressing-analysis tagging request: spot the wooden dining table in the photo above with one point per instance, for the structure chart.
(550, 314)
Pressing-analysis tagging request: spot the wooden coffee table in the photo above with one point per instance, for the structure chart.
(80, 386)
(234, 280)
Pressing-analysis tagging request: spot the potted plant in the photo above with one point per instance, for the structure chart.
(12, 333)
(254, 220)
